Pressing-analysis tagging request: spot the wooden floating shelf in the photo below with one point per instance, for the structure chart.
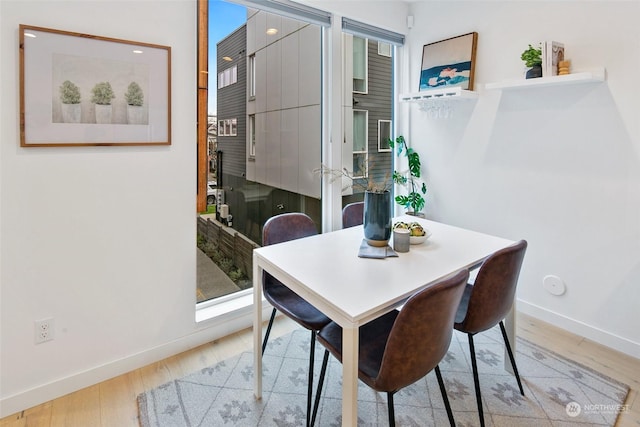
(452, 93)
(568, 79)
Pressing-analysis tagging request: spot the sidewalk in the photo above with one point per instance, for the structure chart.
(212, 282)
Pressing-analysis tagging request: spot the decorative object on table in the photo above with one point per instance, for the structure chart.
(70, 98)
(414, 200)
(532, 58)
(135, 100)
(377, 202)
(401, 239)
(221, 394)
(552, 54)
(379, 252)
(102, 67)
(101, 96)
(449, 62)
(564, 67)
(377, 217)
(417, 233)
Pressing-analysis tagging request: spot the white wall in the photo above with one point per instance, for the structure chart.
(102, 239)
(557, 166)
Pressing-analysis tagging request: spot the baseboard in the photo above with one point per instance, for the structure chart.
(582, 329)
(211, 329)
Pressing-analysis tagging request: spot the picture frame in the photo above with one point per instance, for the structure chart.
(449, 63)
(86, 90)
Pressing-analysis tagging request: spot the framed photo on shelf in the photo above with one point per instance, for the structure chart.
(83, 90)
(449, 62)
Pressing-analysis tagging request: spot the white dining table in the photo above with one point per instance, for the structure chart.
(326, 271)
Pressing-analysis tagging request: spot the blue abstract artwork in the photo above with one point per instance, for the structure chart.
(449, 63)
(446, 75)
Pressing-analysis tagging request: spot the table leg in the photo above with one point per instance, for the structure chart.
(349, 376)
(257, 329)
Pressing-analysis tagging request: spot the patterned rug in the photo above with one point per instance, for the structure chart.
(558, 391)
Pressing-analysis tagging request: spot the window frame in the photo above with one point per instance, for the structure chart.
(251, 136)
(366, 65)
(380, 141)
(366, 145)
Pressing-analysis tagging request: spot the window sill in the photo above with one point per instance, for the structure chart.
(230, 306)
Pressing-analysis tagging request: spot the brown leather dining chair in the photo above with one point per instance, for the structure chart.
(400, 347)
(352, 214)
(282, 228)
(487, 302)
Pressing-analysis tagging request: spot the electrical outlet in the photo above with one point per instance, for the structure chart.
(44, 330)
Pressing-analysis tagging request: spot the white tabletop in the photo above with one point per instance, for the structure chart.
(326, 271)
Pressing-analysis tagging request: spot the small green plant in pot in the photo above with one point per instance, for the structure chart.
(70, 98)
(102, 94)
(414, 200)
(532, 58)
(135, 98)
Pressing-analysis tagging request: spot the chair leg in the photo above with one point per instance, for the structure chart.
(392, 416)
(445, 397)
(266, 335)
(323, 371)
(312, 353)
(476, 381)
(513, 360)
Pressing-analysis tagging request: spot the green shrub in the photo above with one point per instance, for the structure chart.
(102, 93)
(134, 95)
(69, 93)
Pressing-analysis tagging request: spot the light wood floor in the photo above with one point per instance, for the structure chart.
(113, 403)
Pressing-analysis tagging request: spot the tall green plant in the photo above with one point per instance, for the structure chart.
(414, 200)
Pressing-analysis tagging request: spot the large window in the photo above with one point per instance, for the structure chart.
(265, 96)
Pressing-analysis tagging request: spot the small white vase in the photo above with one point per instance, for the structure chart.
(71, 113)
(135, 115)
(103, 114)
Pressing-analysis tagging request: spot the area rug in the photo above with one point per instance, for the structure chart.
(558, 391)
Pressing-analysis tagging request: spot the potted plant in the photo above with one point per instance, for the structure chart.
(532, 58)
(70, 98)
(102, 94)
(135, 98)
(413, 200)
(377, 202)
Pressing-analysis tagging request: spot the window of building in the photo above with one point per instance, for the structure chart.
(228, 77)
(384, 49)
(252, 136)
(384, 134)
(228, 127)
(360, 158)
(360, 64)
(252, 76)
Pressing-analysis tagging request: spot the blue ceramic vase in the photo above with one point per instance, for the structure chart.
(377, 218)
